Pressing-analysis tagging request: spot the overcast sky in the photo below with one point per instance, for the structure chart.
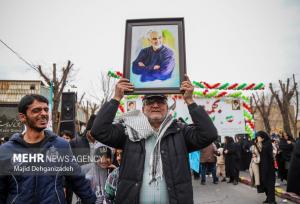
(226, 41)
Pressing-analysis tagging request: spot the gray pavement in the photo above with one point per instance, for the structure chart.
(224, 193)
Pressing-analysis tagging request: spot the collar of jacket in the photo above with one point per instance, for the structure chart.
(49, 137)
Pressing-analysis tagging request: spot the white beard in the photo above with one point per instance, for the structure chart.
(156, 47)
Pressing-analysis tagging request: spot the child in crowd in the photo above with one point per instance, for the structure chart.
(97, 172)
(221, 164)
(112, 180)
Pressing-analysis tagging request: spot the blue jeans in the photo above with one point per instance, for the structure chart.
(211, 167)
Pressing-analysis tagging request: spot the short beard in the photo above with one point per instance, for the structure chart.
(32, 126)
(153, 121)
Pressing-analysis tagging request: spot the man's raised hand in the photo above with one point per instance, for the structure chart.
(188, 89)
(122, 86)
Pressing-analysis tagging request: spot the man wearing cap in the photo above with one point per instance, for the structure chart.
(154, 166)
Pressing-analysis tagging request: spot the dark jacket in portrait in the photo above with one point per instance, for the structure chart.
(164, 57)
(177, 142)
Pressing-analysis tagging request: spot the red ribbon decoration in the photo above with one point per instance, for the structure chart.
(119, 74)
(215, 85)
(221, 94)
(205, 92)
(247, 107)
(233, 86)
(207, 85)
(250, 86)
(121, 108)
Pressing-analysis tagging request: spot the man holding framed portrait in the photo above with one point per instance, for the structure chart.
(154, 166)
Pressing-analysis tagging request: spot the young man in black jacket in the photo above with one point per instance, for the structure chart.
(155, 166)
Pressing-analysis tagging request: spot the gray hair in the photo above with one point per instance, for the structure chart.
(148, 35)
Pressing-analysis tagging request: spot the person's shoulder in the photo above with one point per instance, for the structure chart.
(180, 124)
(12, 142)
(6, 146)
(146, 49)
(166, 49)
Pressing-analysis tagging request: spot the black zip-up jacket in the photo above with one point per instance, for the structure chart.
(178, 140)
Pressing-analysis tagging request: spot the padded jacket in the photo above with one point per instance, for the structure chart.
(31, 188)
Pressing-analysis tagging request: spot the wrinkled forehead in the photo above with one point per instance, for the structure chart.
(155, 34)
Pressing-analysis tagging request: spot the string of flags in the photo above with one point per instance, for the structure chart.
(228, 86)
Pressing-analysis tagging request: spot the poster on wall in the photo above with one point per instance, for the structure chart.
(9, 121)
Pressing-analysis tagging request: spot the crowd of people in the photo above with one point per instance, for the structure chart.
(266, 157)
(141, 156)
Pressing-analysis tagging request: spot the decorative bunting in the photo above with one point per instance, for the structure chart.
(227, 86)
(116, 75)
(217, 94)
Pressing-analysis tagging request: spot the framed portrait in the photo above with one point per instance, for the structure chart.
(154, 55)
(131, 105)
(236, 105)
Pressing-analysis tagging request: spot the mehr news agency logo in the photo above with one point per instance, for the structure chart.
(51, 161)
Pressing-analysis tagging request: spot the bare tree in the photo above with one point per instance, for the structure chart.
(252, 106)
(88, 107)
(94, 108)
(284, 101)
(294, 114)
(81, 99)
(263, 105)
(58, 84)
(84, 105)
(105, 92)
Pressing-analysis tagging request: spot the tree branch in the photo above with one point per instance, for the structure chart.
(43, 75)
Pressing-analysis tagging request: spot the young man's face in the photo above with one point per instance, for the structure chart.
(37, 116)
(155, 109)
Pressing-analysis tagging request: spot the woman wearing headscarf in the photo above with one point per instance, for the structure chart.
(286, 145)
(293, 184)
(231, 160)
(266, 167)
(254, 164)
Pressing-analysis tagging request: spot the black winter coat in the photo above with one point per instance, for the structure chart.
(266, 167)
(231, 159)
(293, 184)
(286, 149)
(80, 147)
(178, 141)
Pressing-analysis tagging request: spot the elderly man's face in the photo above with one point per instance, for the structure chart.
(156, 40)
(155, 109)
